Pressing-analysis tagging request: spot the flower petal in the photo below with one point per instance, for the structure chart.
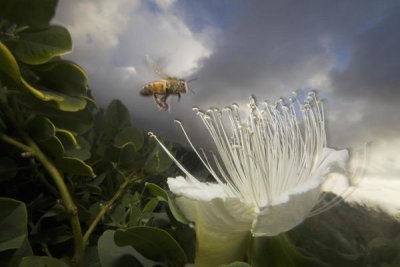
(276, 219)
(194, 189)
(222, 223)
(331, 157)
(207, 203)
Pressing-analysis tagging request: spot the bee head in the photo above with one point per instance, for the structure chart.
(183, 86)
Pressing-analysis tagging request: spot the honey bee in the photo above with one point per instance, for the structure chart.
(163, 88)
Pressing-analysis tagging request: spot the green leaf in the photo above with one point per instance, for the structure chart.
(40, 128)
(162, 195)
(153, 243)
(116, 118)
(64, 77)
(67, 138)
(279, 251)
(127, 157)
(157, 191)
(81, 151)
(58, 100)
(112, 255)
(52, 147)
(77, 122)
(13, 231)
(42, 131)
(13, 223)
(28, 12)
(39, 47)
(91, 257)
(75, 166)
(8, 64)
(237, 264)
(157, 161)
(151, 205)
(8, 168)
(41, 261)
(129, 135)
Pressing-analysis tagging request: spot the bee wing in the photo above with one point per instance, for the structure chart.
(156, 68)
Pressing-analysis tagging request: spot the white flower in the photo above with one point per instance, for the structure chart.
(268, 172)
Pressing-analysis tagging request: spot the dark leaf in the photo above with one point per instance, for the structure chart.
(116, 118)
(8, 168)
(153, 243)
(39, 47)
(64, 77)
(112, 255)
(41, 261)
(129, 135)
(13, 231)
(75, 166)
(28, 12)
(8, 64)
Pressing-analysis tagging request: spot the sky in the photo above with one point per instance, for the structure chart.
(347, 51)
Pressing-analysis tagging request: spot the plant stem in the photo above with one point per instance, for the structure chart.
(11, 141)
(103, 210)
(66, 197)
(58, 179)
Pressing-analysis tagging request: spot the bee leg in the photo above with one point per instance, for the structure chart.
(179, 96)
(160, 100)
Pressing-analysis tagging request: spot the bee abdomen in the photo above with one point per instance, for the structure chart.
(157, 87)
(146, 90)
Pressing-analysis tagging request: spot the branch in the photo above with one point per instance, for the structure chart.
(58, 179)
(11, 141)
(66, 197)
(104, 209)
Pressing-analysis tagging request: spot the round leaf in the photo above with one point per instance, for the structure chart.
(78, 122)
(158, 161)
(127, 157)
(161, 194)
(8, 168)
(81, 151)
(41, 128)
(64, 77)
(75, 166)
(13, 224)
(237, 264)
(8, 64)
(117, 117)
(39, 47)
(130, 135)
(61, 101)
(153, 243)
(41, 261)
(112, 255)
(28, 12)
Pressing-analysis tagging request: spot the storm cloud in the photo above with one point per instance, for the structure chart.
(348, 51)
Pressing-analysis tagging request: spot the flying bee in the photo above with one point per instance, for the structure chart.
(165, 87)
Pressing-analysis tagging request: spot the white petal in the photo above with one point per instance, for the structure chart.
(222, 228)
(222, 224)
(331, 157)
(192, 188)
(276, 219)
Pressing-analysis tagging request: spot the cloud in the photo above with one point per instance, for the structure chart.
(347, 50)
(372, 71)
(379, 184)
(113, 37)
